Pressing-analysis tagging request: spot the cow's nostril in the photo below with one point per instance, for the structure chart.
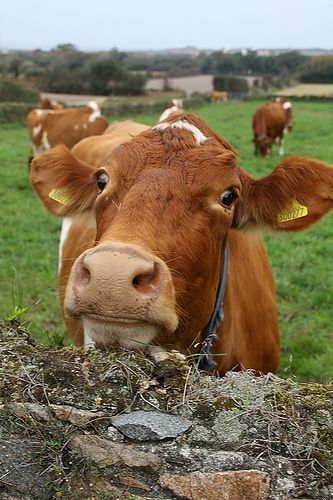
(147, 281)
(82, 275)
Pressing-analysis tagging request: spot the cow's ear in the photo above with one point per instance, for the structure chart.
(296, 194)
(65, 184)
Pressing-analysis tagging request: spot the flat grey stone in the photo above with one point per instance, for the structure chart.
(150, 425)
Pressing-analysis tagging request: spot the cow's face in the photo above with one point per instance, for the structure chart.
(165, 207)
(164, 203)
(263, 145)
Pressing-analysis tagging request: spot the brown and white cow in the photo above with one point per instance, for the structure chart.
(270, 123)
(48, 128)
(46, 103)
(143, 259)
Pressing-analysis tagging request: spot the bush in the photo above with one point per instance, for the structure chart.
(11, 90)
(317, 70)
(11, 112)
(230, 84)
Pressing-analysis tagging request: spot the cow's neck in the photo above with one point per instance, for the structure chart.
(206, 361)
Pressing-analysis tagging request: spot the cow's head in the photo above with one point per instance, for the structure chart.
(263, 145)
(164, 203)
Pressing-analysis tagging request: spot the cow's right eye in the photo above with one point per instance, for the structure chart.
(102, 179)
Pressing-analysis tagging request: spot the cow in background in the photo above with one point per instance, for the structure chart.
(45, 103)
(48, 128)
(166, 208)
(270, 123)
(218, 96)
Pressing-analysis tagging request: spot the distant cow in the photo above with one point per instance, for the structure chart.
(270, 122)
(48, 128)
(162, 239)
(45, 103)
(218, 96)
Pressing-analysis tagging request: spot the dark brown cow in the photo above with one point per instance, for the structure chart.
(145, 246)
(48, 128)
(270, 123)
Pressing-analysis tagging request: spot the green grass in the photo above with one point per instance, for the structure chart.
(301, 262)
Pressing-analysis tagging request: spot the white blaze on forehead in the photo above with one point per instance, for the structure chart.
(199, 137)
(286, 105)
(96, 111)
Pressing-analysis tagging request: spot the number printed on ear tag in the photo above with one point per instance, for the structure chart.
(293, 210)
(61, 195)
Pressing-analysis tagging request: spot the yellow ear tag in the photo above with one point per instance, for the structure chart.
(61, 195)
(293, 210)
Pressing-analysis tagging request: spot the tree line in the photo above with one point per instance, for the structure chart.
(67, 69)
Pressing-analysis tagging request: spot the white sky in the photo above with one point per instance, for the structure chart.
(161, 24)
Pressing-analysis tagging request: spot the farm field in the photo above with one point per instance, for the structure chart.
(302, 262)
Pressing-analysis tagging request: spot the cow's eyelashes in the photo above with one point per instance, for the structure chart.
(228, 197)
(102, 179)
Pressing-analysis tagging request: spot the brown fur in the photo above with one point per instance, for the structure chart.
(164, 197)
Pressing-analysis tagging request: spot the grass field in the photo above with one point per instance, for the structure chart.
(302, 263)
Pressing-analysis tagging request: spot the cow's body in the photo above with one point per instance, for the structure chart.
(94, 149)
(218, 96)
(144, 250)
(270, 123)
(49, 128)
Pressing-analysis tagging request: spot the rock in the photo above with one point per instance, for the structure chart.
(233, 485)
(133, 483)
(114, 435)
(80, 418)
(104, 453)
(29, 411)
(150, 425)
(228, 427)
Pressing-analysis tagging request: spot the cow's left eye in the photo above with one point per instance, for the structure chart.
(228, 197)
(102, 180)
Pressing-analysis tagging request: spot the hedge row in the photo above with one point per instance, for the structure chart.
(125, 107)
(11, 112)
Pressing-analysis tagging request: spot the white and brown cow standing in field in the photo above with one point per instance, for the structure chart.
(270, 123)
(49, 128)
(146, 251)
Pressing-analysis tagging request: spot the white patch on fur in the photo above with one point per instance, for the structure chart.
(128, 336)
(199, 137)
(167, 112)
(76, 127)
(96, 111)
(84, 125)
(36, 130)
(45, 142)
(41, 112)
(286, 105)
(88, 342)
(66, 225)
(281, 148)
